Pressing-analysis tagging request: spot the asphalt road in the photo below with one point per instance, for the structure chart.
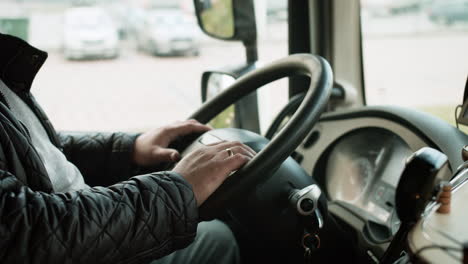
(420, 70)
(412, 61)
(136, 91)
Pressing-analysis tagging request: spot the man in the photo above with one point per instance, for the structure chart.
(49, 213)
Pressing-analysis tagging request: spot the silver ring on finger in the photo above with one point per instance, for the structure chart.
(230, 152)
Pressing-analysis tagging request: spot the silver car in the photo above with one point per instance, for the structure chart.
(169, 32)
(89, 32)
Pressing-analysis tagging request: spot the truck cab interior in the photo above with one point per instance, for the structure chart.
(370, 120)
(360, 157)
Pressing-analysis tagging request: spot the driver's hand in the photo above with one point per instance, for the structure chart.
(151, 147)
(206, 168)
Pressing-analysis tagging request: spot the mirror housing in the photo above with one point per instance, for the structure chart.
(214, 82)
(245, 111)
(237, 18)
(223, 75)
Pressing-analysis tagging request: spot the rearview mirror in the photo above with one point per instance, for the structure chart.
(227, 19)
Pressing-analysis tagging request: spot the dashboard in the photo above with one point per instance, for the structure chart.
(435, 232)
(357, 157)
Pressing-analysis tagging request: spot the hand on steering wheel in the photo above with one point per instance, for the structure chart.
(207, 167)
(275, 152)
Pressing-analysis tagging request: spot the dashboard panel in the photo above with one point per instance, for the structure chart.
(329, 132)
(357, 156)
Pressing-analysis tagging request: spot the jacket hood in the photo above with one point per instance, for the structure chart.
(19, 62)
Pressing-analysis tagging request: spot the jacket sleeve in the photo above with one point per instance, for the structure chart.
(135, 221)
(102, 158)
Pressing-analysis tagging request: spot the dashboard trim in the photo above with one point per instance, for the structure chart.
(335, 129)
(436, 132)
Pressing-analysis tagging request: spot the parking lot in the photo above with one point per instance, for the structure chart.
(135, 91)
(138, 91)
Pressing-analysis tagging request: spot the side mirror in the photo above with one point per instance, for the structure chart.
(212, 84)
(227, 19)
(244, 113)
(215, 82)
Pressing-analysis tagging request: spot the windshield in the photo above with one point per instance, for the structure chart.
(414, 54)
(130, 76)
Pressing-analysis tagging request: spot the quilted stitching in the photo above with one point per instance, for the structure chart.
(144, 218)
(105, 245)
(103, 158)
(25, 153)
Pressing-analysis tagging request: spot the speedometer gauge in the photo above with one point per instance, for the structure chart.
(355, 175)
(363, 169)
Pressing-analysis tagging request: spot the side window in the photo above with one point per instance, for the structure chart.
(414, 54)
(273, 44)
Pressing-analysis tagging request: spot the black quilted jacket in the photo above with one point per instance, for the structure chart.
(132, 221)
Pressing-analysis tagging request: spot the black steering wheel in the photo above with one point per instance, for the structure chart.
(275, 152)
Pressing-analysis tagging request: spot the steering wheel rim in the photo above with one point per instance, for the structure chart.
(262, 166)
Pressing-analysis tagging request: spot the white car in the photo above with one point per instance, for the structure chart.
(89, 32)
(169, 32)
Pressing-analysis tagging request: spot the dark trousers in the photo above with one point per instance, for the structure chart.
(214, 243)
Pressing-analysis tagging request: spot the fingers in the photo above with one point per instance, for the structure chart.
(166, 155)
(187, 127)
(237, 157)
(237, 150)
(207, 167)
(233, 145)
(235, 162)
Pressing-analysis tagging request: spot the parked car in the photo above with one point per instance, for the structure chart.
(89, 32)
(169, 32)
(448, 12)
